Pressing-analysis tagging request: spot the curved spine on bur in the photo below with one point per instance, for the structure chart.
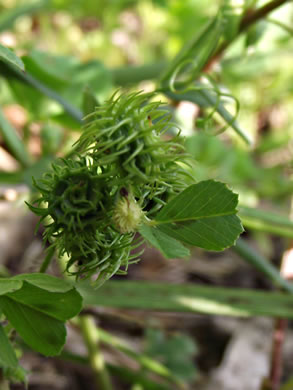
(120, 174)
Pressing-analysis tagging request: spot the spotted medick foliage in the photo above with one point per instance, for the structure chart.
(119, 176)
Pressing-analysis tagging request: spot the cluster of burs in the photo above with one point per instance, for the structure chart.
(120, 174)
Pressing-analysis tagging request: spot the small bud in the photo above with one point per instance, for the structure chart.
(127, 215)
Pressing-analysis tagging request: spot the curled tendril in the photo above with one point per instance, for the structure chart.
(120, 174)
(182, 82)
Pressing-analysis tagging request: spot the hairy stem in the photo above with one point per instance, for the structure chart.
(260, 13)
(130, 75)
(91, 339)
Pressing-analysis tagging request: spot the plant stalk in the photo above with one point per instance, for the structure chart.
(247, 21)
(277, 358)
(91, 339)
(260, 13)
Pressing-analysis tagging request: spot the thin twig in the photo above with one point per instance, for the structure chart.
(280, 325)
(277, 360)
(251, 17)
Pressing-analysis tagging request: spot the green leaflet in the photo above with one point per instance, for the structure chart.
(45, 282)
(41, 332)
(214, 234)
(9, 285)
(170, 247)
(208, 198)
(203, 215)
(60, 305)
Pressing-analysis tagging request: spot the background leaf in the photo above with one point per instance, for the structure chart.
(41, 332)
(232, 13)
(13, 142)
(196, 52)
(60, 305)
(37, 313)
(8, 56)
(8, 17)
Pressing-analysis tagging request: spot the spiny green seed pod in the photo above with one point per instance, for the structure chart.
(124, 138)
(80, 215)
(119, 175)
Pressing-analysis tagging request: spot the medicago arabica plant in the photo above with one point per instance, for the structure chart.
(127, 175)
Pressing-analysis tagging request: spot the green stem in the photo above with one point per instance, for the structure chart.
(146, 362)
(45, 264)
(90, 334)
(91, 338)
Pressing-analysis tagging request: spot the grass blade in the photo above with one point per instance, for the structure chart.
(261, 264)
(189, 298)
